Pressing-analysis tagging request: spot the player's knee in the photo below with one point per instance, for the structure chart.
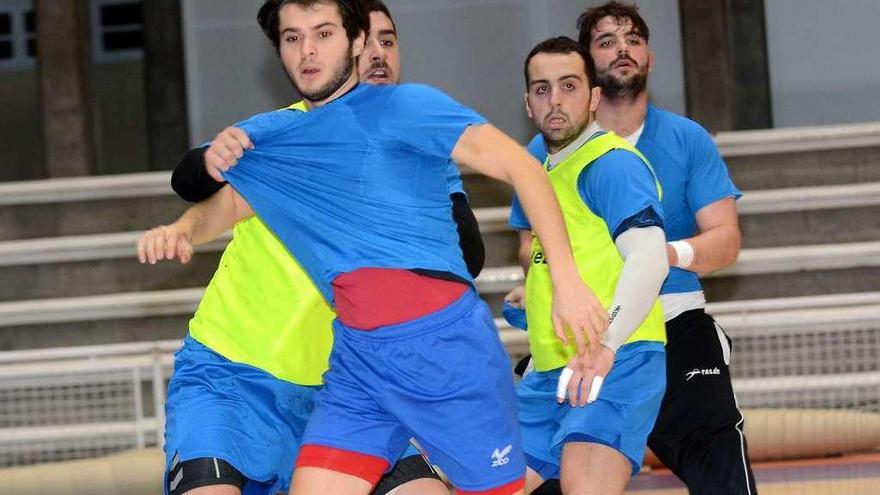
(204, 476)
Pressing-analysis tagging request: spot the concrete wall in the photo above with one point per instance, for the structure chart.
(473, 49)
(231, 70)
(119, 120)
(823, 59)
(117, 101)
(21, 125)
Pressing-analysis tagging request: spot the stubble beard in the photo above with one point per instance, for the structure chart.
(567, 138)
(343, 73)
(615, 88)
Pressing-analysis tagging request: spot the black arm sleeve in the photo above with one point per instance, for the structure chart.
(469, 238)
(189, 179)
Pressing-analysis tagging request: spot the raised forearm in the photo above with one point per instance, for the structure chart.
(539, 203)
(644, 270)
(492, 153)
(209, 219)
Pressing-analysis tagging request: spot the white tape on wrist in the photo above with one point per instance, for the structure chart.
(684, 252)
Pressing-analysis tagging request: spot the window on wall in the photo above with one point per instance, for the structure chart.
(17, 35)
(117, 30)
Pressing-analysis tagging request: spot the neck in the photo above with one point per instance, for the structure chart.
(559, 154)
(345, 88)
(623, 116)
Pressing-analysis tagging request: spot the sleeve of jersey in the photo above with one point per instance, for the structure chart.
(709, 179)
(427, 120)
(538, 148)
(518, 219)
(620, 188)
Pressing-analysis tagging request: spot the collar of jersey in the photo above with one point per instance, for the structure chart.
(300, 105)
(554, 159)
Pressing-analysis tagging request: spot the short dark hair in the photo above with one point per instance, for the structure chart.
(563, 45)
(617, 10)
(354, 18)
(371, 6)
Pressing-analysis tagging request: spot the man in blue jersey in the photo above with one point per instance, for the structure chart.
(356, 189)
(699, 432)
(611, 203)
(206, 457)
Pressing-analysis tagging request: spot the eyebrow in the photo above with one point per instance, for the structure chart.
(319, 26)
(539, 81)
(387, 31)
(545, 81)
(631, 32)
(604, 35)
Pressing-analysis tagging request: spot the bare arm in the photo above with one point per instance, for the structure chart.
(718, 243)
(492, 153)
(199, 224)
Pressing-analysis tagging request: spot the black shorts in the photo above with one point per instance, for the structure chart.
(699, 432)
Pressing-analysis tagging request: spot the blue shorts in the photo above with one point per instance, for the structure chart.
(443, 379)
(235, 412)
(621, 418)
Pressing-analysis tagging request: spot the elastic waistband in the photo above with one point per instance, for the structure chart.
(415, 328)
(626, 351)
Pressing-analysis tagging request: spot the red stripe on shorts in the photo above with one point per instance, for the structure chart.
(366, 467)
(507, 489)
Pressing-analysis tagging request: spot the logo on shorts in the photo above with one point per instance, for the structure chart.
(175, 474)
(499, 457)
(697, 371)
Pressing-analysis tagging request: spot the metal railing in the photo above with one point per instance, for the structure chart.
(67, 403)
(33, 426)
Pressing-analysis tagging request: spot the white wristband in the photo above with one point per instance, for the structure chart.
(684, 252)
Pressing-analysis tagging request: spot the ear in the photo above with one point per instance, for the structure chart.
(650, 60)
(528, 108)
(357, 45)
(595, 98)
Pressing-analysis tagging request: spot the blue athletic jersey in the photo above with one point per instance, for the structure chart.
(454, 184)
(691, 171)
(360, 182)
(617, 187)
